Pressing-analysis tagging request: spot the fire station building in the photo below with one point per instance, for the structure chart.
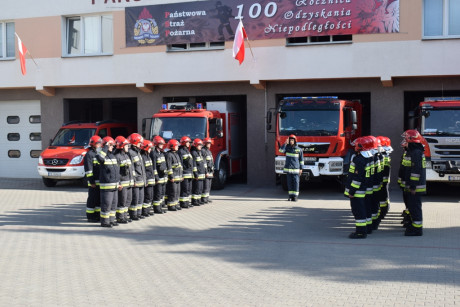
(122, 59)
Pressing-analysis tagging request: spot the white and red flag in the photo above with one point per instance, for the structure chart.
(238, 43)
(22, 55)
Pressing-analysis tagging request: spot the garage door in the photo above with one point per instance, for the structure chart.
(20, 138)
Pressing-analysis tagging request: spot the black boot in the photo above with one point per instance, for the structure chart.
(172, 208)
(357, 235)
(157, 209)
(369, 229)
(412, 231)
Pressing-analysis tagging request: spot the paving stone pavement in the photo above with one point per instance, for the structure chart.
(250, 247)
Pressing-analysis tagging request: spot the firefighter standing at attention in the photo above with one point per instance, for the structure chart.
(187, 168)
(150, 174)
(293, 165)
(174, 172)
(135, 209)
(91, 165)
(357, 181)
(109, 179)
(159, 163)
(415, 177)
(207, 155)
(199, 172)
(126, 179)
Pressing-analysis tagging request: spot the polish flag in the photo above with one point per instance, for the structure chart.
(238, 43)
(22, 55)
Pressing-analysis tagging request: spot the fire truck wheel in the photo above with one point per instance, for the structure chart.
(49, 182)
(284, 182)
(220, 176)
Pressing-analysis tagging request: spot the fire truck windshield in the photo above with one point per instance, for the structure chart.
(177, 127)
(442, 122)
(73, 137)
(311, 122)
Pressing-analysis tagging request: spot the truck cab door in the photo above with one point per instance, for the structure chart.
(146, 128)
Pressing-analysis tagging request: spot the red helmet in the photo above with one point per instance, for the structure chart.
(135, 139)
(207, 140)
(172, 143)
(197, 142)
(108, 141)
(184, 140)
(385, 141)
(95, 139)
(157, 140)
(374, 140)
(412, 136)
(292, 136)
(120, 141)
(146, 145)
(359, 144)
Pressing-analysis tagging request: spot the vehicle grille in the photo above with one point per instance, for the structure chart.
(55, 170)
(314, 148)
(55, 162)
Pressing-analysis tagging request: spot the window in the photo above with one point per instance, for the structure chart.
(35, 119)
(14, 153)
(12, 119)
(35, 136)
(7, 47)
(102, 133)
(35, 153)
(89, 35)
(13, 136)
(441, 18)
(314, 40)
(197, 46)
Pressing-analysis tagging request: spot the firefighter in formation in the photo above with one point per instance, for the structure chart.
(131, 178)
(367, 182)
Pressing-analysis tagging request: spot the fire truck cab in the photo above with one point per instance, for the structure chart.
(325, 127)
(219, 120)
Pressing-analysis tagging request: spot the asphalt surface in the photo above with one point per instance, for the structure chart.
(250, 247)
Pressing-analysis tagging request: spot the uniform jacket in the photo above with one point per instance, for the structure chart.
(138, 165)
(150, 171)
(359, 178)
(174, 165)
(186, 160)
(126, 168)
(405, 162)
(386, 167)
(109, 176)
(199, 164)
(415, 174)
(207, 155)
(378, 172)
(294, 158)
(159, 161)
(91, 166)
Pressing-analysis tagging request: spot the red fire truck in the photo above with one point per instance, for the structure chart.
(63, 159)
(438, 120)
(324, 126)
(219, 120)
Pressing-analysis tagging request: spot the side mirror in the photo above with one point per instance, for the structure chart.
(354, 118)
(220, 134)
(283, 115)
(219, 128)
(269, 117)
(269, 127)
(355, 127)
(411, 114)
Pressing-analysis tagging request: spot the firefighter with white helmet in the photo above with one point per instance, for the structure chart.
(91, 166)
(293, 165)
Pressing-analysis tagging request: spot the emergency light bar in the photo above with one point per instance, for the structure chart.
(441, 98)
(311, 97)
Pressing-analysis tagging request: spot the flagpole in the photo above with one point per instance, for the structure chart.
(28, 52)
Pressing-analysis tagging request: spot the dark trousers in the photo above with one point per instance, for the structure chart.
(93, 208)
(158, 194)
(185, 190)
(414, 204)
(172, 193)
(148, 199)
(197, 189)
(135, 209)
(369, 201)
(124, 200)
(359, 211)
(206, 189)
(293, 181)
(376, 204)
(109, 201)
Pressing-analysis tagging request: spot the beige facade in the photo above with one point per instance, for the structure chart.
(390, 69)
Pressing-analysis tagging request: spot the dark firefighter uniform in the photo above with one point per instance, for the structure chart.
(174, 172)
(199, 175)
(91, 166)
(292, 168)
(384, 200)
(159, 162)
(186, 184)
(405, 163)
(109, 179)
(369, 199)
(356, 185)
(127, 182)
(150, 174)
(415, 178)
(135, 209)
(376, 189)
(207, 155)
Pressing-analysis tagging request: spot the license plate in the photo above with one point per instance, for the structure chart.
(309, 159)
(54, 174)
(454, 178)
